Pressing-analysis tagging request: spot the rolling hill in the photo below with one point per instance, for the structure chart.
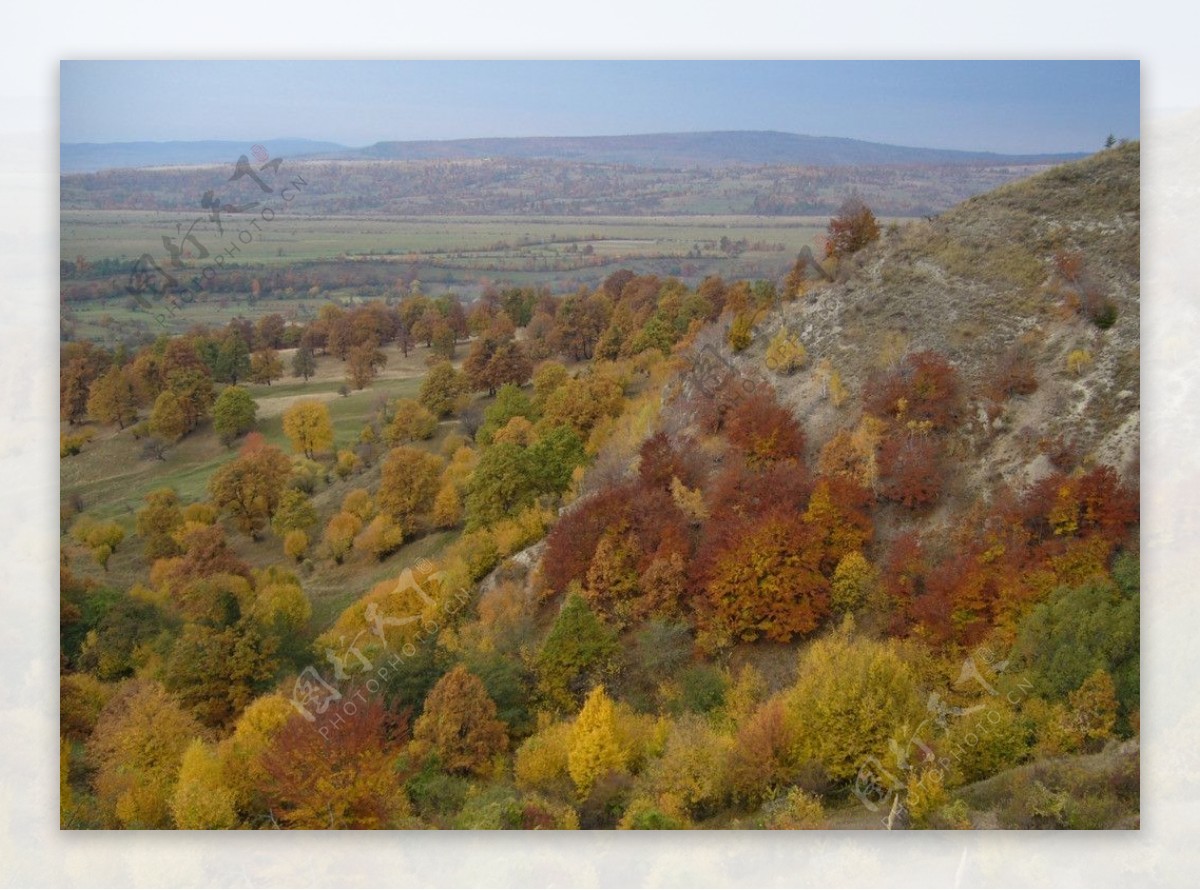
(652, 150)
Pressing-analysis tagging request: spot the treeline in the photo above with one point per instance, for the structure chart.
(502, 187)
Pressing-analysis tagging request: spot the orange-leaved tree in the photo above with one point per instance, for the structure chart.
(459, 724)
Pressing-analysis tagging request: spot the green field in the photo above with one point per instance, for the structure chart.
(456, 254)
(98, 234)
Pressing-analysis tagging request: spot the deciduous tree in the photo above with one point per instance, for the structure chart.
(363, 364)
(851, 697)
(201, 799)
(234, 413)
(853, 228)
(577, 651)
(410, 423)
(459, 724)
(249, 486)
(111, 398)
(304, 363)
(341, 779)
(594, 747)
(408, 484)
(442, 390)
(265, 366)
(307, 425)
(340, 533)
(768, 581)
(167, 419)
(136, 749)
(157, 523)
(217, 672)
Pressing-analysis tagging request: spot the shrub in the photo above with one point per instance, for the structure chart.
(691, 771)
(1033, 805)
(295, 513)
(380, 538)
(494, 808)
(910, 469)
(644, 814)
(541, 761)
(763, 429)
(295, 544)
(702, 688)
(849, 698)
(347, 463)
(760, 761)
(924, 388)
(799, 810)
(785, 354)
(987, 742)
(101, 538)
(69, 445)
(853, 228)
(411, 422)
(741, 331)
(1078, 361)
(925, 797)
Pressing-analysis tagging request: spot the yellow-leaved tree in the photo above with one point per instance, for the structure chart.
(594, 751)
(852, 698)
(854, 581)
(241, 754)
(136, 748)
(308, 427)
(201, 799)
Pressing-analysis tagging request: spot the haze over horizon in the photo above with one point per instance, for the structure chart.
(1007, 107)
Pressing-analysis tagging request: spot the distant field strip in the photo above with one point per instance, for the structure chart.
(100, 234)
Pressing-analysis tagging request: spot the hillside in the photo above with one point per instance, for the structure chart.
(739, 554)
(994, 283)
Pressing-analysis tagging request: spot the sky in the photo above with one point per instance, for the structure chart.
(1017, 106)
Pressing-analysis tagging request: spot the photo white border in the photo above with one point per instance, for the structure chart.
(33, 852)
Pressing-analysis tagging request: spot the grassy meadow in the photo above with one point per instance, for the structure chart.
(109, 478)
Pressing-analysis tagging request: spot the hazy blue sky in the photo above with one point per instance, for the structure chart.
(1002, 106)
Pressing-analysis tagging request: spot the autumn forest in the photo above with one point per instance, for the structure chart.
(853, 546)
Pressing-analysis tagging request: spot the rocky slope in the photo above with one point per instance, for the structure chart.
(1018, 277)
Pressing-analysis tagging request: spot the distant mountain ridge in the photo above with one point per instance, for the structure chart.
(705, 149)
(90, 157)
(716, 148)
